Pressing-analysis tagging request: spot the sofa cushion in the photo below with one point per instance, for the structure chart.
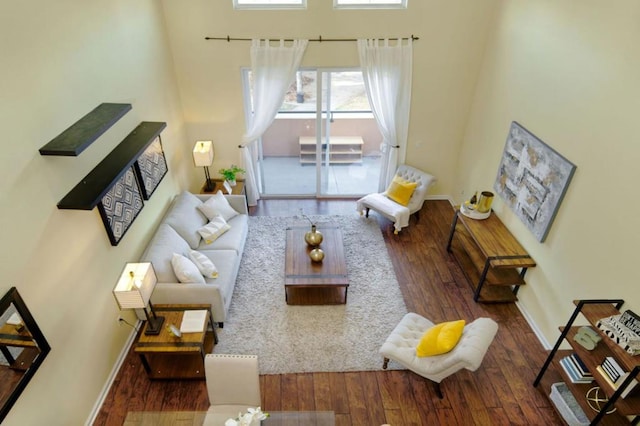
(204, 264)
(233, 239)
(185, 218)
(186, 270)
(227, 262)
(217, 205)
(214, 229)
(160, 250)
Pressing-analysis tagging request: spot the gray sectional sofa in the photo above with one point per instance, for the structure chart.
(178, 233)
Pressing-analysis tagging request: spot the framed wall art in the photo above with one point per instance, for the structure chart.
(150, 168)
(532, 179)
(120, 206)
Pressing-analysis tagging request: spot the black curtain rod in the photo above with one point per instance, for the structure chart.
(319, 39)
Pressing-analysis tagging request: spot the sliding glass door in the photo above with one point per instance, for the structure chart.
(324, 141)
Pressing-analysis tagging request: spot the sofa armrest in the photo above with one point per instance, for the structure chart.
(178, 294)
(238, 202)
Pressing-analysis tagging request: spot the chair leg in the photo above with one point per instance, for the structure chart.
(366, 214)
(438, 390)
(385, 364)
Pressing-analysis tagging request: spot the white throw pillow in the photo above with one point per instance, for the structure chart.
(204, 264)
(217, 205)
(186, 270)
(212, 230)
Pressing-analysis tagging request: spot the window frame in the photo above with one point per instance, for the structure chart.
(270, 6)
(248, 103)
(402, 5)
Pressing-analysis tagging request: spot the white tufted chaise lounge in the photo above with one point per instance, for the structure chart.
(393, 211)
(401, 344)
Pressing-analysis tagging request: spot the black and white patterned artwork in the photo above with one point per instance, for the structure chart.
(151, 167)
(120, 206)
(532, 179)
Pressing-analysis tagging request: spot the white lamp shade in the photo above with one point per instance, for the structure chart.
(203, 153)
(133, 289)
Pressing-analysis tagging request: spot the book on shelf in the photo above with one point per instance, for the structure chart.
(612, 368)
(580, 365)
(615, 385)
(574, 375)
(622, 329)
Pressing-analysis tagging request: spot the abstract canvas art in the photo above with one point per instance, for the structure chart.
(532, 179)
(150, 168)
(120, 206)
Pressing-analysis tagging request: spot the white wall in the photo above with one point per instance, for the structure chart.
(446, 62)
(61, 59)
(568, 72)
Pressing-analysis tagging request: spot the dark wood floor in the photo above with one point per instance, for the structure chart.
(500, 392)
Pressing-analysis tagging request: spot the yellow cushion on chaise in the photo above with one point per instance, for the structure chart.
(440, 339)
(401, 190)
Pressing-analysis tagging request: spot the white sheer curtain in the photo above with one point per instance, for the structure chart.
(273, 69)
(386, 70)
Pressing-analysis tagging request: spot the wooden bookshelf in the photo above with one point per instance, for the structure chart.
(592, 311)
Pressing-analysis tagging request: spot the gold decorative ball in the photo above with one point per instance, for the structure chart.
(316, 255)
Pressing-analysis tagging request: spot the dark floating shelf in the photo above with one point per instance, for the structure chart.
(88, 193)
(85, 131)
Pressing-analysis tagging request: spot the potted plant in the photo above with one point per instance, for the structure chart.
(230, 173)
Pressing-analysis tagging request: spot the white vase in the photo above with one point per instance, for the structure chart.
(232, 182)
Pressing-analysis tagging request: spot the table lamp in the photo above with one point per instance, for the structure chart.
(133, 291)
(203, 157)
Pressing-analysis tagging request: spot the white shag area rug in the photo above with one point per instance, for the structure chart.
(296, 339)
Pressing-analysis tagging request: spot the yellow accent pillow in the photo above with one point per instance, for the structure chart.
(401, 190)
(440, 339)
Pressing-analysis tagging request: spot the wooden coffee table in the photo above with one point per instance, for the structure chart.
(315, 283)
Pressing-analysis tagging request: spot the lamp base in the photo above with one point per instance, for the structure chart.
(154, 325)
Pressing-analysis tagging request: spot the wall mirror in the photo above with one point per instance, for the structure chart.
(22, 349)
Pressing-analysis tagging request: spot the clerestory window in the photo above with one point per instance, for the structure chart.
(269, 4)
(370, 4)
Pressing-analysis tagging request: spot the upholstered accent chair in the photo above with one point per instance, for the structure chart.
(233, 385)
(398, 213)
(468, 353)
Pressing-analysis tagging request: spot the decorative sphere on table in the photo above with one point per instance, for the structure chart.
(316, 255)
(313, 237)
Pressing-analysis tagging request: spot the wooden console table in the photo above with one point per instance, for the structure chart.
(489, 256)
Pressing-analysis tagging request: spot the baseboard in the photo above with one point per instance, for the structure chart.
(112, 376)
(534, 327)
(440, 197)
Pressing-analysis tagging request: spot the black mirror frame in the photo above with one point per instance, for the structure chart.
(13, 296)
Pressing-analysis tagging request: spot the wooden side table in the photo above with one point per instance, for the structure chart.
(165, 356)
(217, 186)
